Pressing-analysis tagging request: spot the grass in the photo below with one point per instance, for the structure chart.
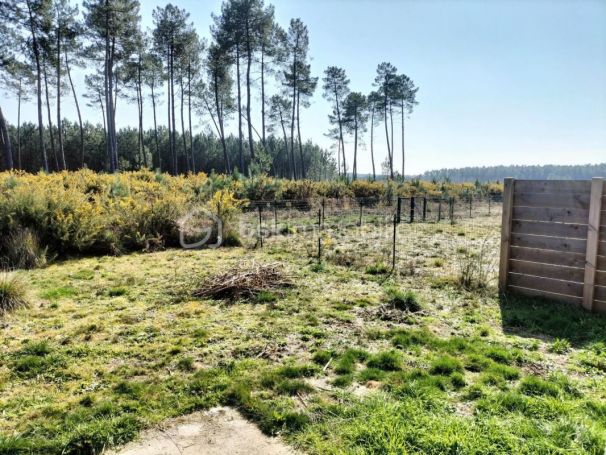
(12, 293)
(83, 368)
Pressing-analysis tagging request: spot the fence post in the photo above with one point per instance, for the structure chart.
(451, 209)
(319, 249)
(488, 204)
(260, 226)
(508, 196)
(424, 208)
(323, 211)
(319, 219)
(275, 217)
(393, 250)
(412, 209)
(439, 209)
(593, 240)
(470, 203)
(399, 211)
(360, 222)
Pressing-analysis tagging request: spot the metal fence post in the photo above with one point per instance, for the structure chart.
(323, 211)
(260, 226)
(439, 210)
(275, 216)
(451, 210)
(360, 222)
(393, 249)
(470, 203)
(399, 211)
(424, 208)
(412, 209)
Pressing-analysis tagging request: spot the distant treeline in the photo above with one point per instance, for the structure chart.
(498, 173)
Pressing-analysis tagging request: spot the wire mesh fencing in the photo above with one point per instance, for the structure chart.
(439, 237)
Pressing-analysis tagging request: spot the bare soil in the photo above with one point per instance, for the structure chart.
(219, 431)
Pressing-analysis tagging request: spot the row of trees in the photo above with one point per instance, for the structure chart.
(249, 54)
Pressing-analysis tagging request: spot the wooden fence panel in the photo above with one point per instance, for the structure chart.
(553, 241)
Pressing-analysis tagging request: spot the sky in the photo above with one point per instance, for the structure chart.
(500, 82)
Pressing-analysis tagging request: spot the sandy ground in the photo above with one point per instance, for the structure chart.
(219, 431)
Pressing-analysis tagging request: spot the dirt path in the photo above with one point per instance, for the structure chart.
(219, 431)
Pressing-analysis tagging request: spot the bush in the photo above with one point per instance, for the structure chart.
(12, 293)
(367, 193)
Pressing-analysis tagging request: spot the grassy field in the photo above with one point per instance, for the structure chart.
(112, 345)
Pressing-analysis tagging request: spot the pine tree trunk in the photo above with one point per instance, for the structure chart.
(389, 156)
(173, 118)
(372, 152)
(191, 134)
(183, 137)
(39, 88)
(59, 122)
(251, 144)
(5, 143)
(153, 96)
(299, 136)
(50, 122)
(294, 107)
(71, 83)
(240, 139)
(170, 136)
(355, 163)
(19, 127)
(403, 154)
(263, 97)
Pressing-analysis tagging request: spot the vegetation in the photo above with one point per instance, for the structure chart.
(44, 40)
(86, 367)
(12, 293)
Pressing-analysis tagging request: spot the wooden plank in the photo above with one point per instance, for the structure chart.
(602, 248)
(557, 272)
(600, 278)
(573, 231)
(552, 186)
(571, 200)
(549, 243)
(599, 306)
(603, 218)
(544, 294)
(601, 263)
(591, 256)
(557, 215)
(546, 284)
(599, 293)
(548, 257)
(508, 189)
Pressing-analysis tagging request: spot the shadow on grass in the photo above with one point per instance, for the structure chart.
(541, 318)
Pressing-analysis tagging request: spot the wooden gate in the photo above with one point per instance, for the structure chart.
(553, 240)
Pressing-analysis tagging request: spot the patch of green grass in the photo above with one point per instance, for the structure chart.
(344, 380)
(378, 268)
(403, 300)
(371, 374)
(266, 297)
(445, 366)
(293, 387)
(535, 385)
(186, 364)
(117, 291)
(560, 346)
(297, 371)
(59, 293)
(386, 360)
(322, 357)
(346, 362)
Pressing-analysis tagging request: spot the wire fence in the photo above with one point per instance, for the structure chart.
(409, 236)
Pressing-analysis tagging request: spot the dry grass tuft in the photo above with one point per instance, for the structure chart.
(246, 281)
(12, 293)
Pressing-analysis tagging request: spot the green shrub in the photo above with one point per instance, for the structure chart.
(378, 268)
(12, 293)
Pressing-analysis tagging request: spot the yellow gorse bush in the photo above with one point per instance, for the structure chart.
(85, 212)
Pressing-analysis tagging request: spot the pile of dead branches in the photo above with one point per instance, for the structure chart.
(246, 281)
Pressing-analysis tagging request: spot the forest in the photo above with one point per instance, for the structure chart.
(177, 76)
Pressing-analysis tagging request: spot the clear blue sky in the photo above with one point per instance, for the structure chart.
(501, 82)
